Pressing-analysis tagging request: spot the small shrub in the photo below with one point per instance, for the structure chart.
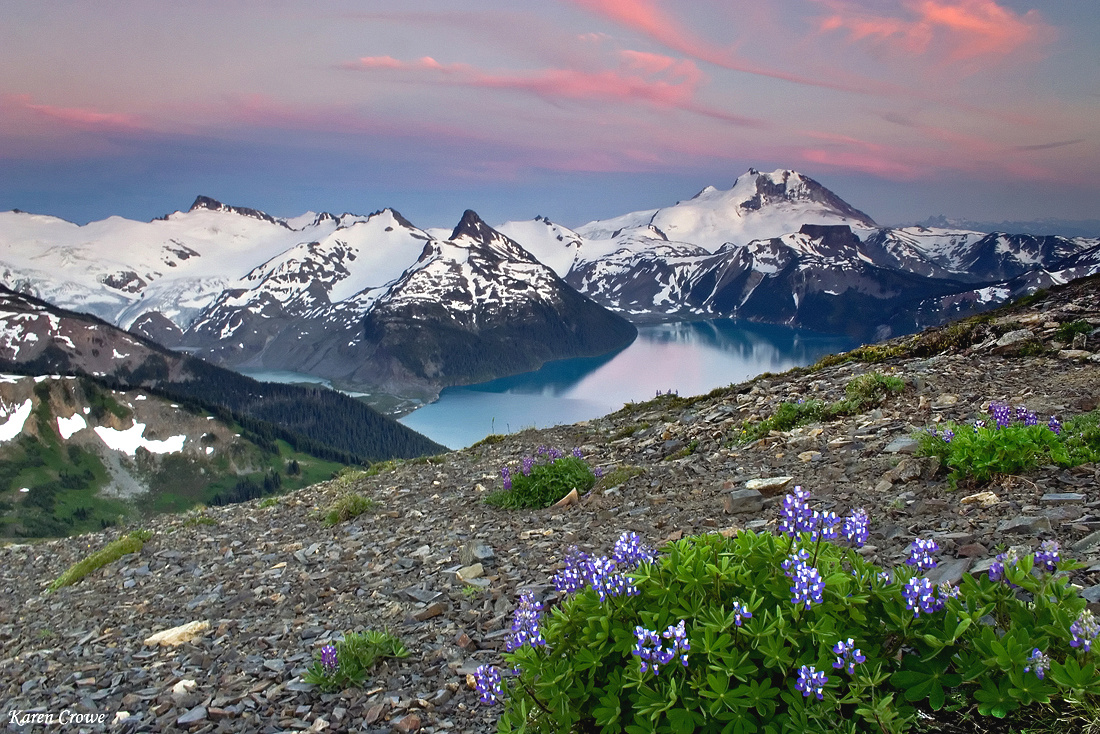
(628, 430)
(685, 451)
(543, 480)
(492, 438)
(617, 476)
(269, 502)
(131, 543)
(1070, 329)
(791, 633)
(347, 507)
(347, 663)
(1011, 441)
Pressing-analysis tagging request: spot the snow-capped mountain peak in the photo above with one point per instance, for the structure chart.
(205, 202)
(757, 206)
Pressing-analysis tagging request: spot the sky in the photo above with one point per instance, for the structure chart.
(571, 109)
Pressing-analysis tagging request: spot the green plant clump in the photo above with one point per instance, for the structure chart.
(769, 634)
(860, 394)
(1011, 441)
(1070, 329)
(542, 482)
(347, 507)
(131, 543)
(347, 663)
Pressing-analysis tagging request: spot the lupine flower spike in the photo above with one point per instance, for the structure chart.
(811, 681)
(848, 655)
(525, 623)
(1037, 663)
(329, 660)
(488, 682)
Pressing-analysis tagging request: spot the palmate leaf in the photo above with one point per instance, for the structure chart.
(926, 680)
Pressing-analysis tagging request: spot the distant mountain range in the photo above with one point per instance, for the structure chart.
(1048, 226)
(375, 302)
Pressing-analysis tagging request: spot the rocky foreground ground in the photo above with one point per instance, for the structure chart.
(442, 570)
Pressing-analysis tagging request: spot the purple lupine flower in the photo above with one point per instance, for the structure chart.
(1055, 425)
(1037, 663)
(506, 473)
(1084, 630)
(920, 554)
(824, 525)
(651, 649)
(997, 568)
(796, 558)
(1031, 419)
(946, 590)
(578, 453)
(576, 573)
(1048, 555)
(329, 660)
(1001, 413)
(848, 655)
(978, 424)
(811, 681)
(630, 552)
(598, 472)
(808, 587)
(1022, 414)
(855, 529)
(795, 515)
(919, 597)
(528, 462)
(740, 612)
(885, 577)
(556, 454)
(488, 682)
(542, 451)
(525, 623)
(605, 578)
(932, 431)
(948, 434)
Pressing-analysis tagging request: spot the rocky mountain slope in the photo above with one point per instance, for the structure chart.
(76, 456)
(274, 585)
(37, 338)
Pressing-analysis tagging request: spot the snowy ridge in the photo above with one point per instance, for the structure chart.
(244, 288)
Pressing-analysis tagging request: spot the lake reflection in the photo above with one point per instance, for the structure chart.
(689, 358)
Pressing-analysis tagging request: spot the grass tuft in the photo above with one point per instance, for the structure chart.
(131, 543)
(348, 507)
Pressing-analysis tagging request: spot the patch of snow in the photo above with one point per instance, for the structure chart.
(129, 440)
(68, 426)
(13, 426)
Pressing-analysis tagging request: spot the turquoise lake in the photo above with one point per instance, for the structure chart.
(689, 358)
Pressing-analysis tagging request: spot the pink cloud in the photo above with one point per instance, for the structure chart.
(644, 16)
(655, 80)
(955, 30)
(81, 118)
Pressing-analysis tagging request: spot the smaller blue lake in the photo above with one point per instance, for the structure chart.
(689, 358)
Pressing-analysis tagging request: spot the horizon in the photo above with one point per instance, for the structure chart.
(577, 110)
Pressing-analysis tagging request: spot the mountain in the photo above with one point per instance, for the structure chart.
(1045, 226)
(243, 289)
(478, 305)
(758, 206)
(376, 303)
(37, 338)
(77, 455)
